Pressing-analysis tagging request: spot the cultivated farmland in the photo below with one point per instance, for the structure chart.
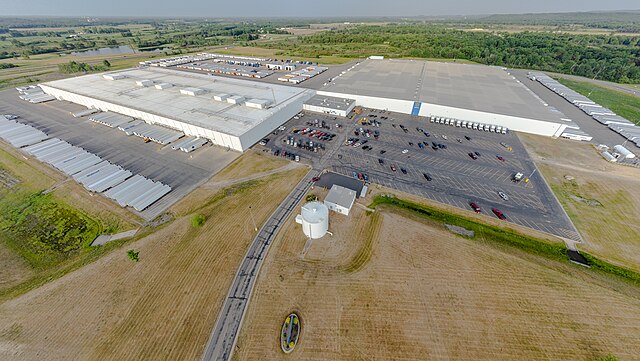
(389, 285)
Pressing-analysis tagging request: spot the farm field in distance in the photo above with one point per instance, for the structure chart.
(391, 285)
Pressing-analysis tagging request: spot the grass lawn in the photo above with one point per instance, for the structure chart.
(625, 105)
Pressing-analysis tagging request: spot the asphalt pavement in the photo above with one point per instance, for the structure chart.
(182, 171)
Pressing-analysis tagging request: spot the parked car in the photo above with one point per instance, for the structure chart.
(403, 170)
(315, 179)
(498, 214)
(381, 161)
(476, 153)
(405, 151)
(427, 176)
(467, 137)
(393, 167)
(473, 156)
(500, 158)
(503, 195)
(475, 207)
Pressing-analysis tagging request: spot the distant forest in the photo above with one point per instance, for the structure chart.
(620, 21)
(614, 58)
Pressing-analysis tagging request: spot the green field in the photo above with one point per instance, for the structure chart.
(625, 105)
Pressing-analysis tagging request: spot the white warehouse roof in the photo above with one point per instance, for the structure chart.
(196, 115)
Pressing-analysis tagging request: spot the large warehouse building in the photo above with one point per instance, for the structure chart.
(232, 113)
(476, 93)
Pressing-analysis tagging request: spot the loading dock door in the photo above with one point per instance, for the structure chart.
(416, 109)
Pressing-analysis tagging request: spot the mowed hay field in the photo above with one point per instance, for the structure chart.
(163, 307)
(601, 198)
(391, 286)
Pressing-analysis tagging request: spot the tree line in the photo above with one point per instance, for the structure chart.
(613, 58)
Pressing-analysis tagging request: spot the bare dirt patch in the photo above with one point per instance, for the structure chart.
(428, 294)
(162, 307)
(602, 199)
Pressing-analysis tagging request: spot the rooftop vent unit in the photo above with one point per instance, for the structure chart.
(113, 76)
(221, 97)
(258, 103)
(236, 99)
(144, 83)
(162, 86)
(192, 91)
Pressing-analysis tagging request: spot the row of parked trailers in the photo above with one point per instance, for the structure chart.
(245, 71)
(469, 125)
(131, 126)
(599, 113)
(94, 173)
(19, 135)
(298, 76)
(34, 94)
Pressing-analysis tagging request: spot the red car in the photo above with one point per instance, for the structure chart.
(498, 214)
(475, 207)
(500, 158)
(315, 179)
(393, 167)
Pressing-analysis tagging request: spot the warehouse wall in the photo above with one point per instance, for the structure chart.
(281, 114)
(524, 125)
(221, 139)
(325, 110)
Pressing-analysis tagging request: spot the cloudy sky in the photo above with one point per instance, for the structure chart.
(281, 8)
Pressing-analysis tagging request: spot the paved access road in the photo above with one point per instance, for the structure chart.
(601, 134)
(225, 332)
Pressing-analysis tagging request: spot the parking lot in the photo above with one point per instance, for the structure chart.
(181, 171)
(312, 137)
(455, 177)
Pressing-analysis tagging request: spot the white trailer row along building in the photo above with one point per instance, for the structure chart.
(95, 174)
(599, 113)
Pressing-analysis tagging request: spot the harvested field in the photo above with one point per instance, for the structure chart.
(251, 162)
(14, 269)
(162, 307)
(602, 199)
(425, 293)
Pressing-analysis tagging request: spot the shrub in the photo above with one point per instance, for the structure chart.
(133, 255)
(198, 220)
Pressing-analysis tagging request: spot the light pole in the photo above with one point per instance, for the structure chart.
(255, 227)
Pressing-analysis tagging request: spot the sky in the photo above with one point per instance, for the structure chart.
(292, 8)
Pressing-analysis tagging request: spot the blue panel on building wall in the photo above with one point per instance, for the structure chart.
(416, 109)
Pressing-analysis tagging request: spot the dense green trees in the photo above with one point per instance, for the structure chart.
(615, 58)
(75, 67)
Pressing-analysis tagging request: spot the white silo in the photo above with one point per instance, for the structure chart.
(314, 219)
